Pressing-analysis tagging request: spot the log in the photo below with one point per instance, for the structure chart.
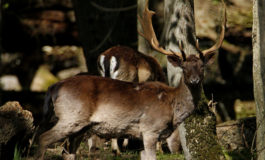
(16, 128)
(237, 135)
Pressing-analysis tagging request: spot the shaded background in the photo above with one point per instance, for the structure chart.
(43, 41)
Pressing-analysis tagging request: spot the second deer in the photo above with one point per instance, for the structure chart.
(126, 64)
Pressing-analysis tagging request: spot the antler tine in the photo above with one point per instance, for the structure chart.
(149, 33)
(182, 51)
(221, 37)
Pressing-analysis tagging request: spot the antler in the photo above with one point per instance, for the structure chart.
(221, 37)
(149, 33)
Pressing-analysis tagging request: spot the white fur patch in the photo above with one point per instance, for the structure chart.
(101, 63)
(160, 96)
(143, 74)
(113, 64)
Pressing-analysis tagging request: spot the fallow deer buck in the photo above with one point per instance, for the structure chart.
(126, 64)
(184, 31)
(112, 108)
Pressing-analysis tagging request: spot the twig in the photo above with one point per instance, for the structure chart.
(252, 145)
(243, 135)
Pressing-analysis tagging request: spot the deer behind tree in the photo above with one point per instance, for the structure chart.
(126, 64)
(179, 36)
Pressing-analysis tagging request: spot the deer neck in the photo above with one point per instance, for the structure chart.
(186, 101)
(196, 93)
(183, 104)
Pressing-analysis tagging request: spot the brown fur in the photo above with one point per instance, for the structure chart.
(193, 69)
(133, 65)
(113, 108)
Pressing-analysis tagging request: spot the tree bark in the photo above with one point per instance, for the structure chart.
(142, 45)
(259, 73)
(197, 132)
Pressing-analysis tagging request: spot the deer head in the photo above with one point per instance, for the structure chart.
(193, 65)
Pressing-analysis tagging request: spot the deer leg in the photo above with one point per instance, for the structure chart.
(173, 142)
(93, 143)
(149, 152)
(60, 131)
(125, 143)
(114, 146)
(159, 147)
(46, 139)
(74, 142)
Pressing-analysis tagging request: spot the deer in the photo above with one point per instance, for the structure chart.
(175, 72)
(111, 108)
(126, 64)
(199, 57)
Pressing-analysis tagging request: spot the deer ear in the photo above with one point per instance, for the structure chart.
(174, 60)
(209, 58)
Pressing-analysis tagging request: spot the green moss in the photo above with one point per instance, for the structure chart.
(161, 156)
(201, 133)
(239, 155)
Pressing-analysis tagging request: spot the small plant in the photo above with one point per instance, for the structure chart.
(163, 156)
(17, 154)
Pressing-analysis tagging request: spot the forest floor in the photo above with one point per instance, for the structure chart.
(105, 153)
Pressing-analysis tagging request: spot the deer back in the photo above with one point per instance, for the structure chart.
(124, 63)
(92, 98)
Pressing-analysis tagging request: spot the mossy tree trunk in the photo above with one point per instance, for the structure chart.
(259, 73)
(198, 132)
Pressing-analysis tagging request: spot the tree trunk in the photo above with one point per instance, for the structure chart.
(197, 132)
(142, 45)
(259, 73)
